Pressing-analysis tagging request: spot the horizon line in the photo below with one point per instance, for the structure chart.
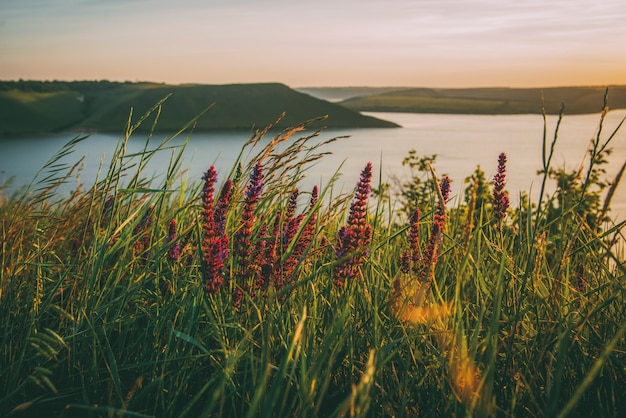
(314, 86)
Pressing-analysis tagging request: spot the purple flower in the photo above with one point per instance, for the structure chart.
(221, 208)
(413, 254)
(293, 203)
(145, 222)
(244, 232)
(174, 250)
(500, 196)
(307, 234)
(436, 235)
(142, 244)
(353, 238)
(269, 266)
(214, 240)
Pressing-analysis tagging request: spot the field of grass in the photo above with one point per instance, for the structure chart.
(39, 107)
(240, 295)
(578, 100)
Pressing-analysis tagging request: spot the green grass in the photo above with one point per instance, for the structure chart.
(578, 100)
(38, 112)
(523, 317)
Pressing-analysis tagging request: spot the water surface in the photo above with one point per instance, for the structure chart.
(461, 142)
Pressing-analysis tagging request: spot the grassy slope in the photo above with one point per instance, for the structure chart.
(241, 106)
(106, 107)
(36, 112)
(578, 100)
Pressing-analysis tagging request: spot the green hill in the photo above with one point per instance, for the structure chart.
(34, 106)
(578, 100)
(336, 94)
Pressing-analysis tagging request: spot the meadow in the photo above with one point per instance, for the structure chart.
(238, 294)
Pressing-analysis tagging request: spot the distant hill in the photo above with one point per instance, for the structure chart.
(337, 94)
(36, 106)
(578, 100)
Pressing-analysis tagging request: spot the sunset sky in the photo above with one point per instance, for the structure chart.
(434, 43)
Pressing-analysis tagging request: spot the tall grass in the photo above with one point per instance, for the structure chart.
(170, 298)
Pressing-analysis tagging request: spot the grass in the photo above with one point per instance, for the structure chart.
(50, 110)
(106, 310)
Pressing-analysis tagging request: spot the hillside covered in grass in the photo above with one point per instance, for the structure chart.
(35, 107)
(578, 100)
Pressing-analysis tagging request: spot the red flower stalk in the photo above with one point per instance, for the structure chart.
(221, 208)
(212, 266)
(244, 232)
(174, 251)
(410, 260)
(210, 178)
(258, 255)
(145, 222)
(314, 196)
(500, 196)
(214, 240)
(356, 235)
(142, 244)
(309, 229)
(414, 244)
(405, 261)
(293, 225)
(304, 240)
(436, 235)
(293, 203)
(269, 263)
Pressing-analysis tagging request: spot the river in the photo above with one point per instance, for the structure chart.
(461, 142)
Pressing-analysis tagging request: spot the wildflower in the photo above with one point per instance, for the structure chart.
(356, 235)
(309, 229)
(414, 249)
(142, 244)
(262, 281)
(303, 240)
(405, 262)
(219, 241)
(145, 222)
(500, 196)
(222, 207)
(269, 263)
(174, 250)
(293, 203)
(244, 232)
(436, 235)
(214, 241)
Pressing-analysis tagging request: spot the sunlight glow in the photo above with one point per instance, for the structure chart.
(406, 43)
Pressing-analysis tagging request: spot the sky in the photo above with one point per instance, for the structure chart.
(430, 43)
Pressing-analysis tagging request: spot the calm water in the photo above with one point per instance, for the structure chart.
(461, 142)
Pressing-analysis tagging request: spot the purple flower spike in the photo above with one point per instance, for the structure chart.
(500, 196)
(244, 232)
(436, 236)
(174, 251)
(356, 235)
(414, 259)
